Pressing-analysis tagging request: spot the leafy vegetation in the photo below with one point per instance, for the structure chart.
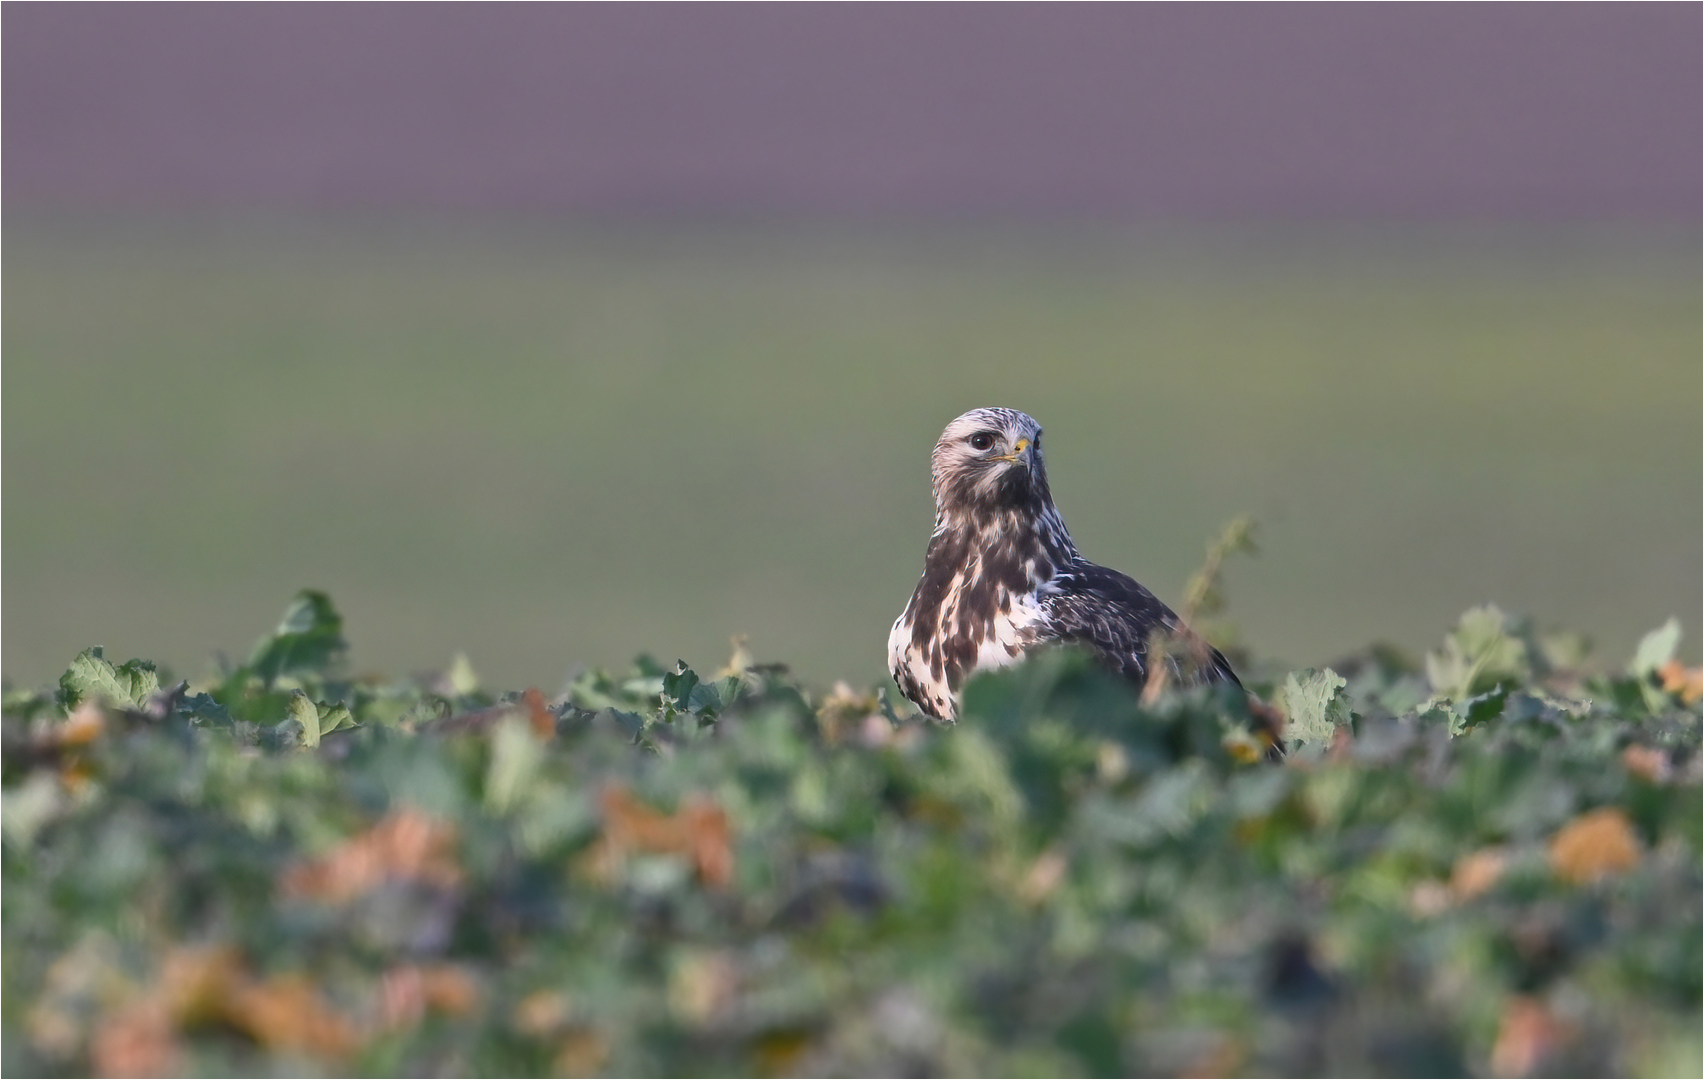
(1491, 867)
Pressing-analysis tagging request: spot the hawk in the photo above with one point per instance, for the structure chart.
(1002, 576)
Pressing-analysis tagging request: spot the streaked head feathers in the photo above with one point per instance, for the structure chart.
(989, 459)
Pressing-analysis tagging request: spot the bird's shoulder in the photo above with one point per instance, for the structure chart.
(1083, 587)
(1116, 617)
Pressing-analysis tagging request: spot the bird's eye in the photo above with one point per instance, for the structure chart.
(982, 440)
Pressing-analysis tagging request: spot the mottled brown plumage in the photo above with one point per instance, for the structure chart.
(1002, 576)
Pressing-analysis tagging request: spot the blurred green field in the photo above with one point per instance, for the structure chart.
(553, 444)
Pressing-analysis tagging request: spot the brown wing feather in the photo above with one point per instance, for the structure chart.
(1116, 618)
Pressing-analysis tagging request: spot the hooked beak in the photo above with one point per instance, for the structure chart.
(1020, 453)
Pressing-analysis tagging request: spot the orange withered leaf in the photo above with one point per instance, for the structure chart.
(581, 1053)
(209, 984)
(136, 1040)
(782, 1052)
(1044, 876)
(140, 1036)
(408, 992)
(542, 1012)
(407, 845)
(1476, 872)
(1225, 1057)
(699, 831)
(543, 721)
(63, 743)
(196, 982)
(83, 726)
(1648, 763)
(1528, 1034)
(287, 1013)
(1682, 681)
(1594, 845)
(702, 986)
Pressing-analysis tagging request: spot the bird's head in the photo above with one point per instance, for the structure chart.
(989, 461)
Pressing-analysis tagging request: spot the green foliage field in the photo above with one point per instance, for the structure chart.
(1491, 866)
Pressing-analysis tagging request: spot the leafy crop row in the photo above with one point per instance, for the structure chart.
(1492, 866)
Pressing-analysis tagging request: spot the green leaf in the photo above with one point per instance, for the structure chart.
(334, 717)
(129, 684)
(1315, 706)
(461, 677)
(306, 714)
(1464, 716)
(27, 704)
(1656, 648)
(728, 691)
(1441, 710)
(203, 709)
(631, 725)
(1564, 650)
(677, 690)
(980, 770)
(309, 639)
(516, 755)
(316, 718)
(710, 699)
(1483, 707)
(26, 807)
(1483, 650)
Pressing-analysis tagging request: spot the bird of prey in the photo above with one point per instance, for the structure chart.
(1002, 576)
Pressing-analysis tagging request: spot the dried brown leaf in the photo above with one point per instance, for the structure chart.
(782, 1053)
(543, 1012)
(196, 981)
(1528, 1034)
(1044, 876)
(1647, 762)
(408, 992)
(702, 986)
(86, 724)
(543, 721)
(1594, 845)
(138, 1039)
(287, 1013)
(845, 713)
(1683, 682)
(699, 831)
(1476, 872)
(407, 845)
(581, 1053)
(1225, 1058)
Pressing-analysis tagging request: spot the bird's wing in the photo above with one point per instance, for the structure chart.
(1115, 617)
